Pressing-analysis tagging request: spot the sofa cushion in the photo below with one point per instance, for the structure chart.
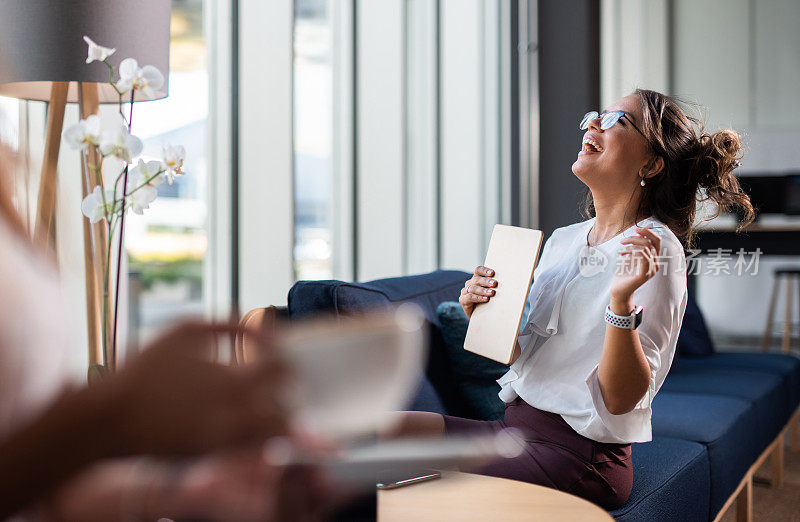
(694, 339)
(723, 424)
(308, 298)
(670, 482)
(767, 392)
(475, 376)
(787, 366)
(426, 399)
(339, 297)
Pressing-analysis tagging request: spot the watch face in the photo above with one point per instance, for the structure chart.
(638, 318)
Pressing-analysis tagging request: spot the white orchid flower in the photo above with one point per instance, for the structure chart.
(145, 80)
(173, 161)
(97, 52)
(141, 199)
(118, 142)
(146, 172)
(84, 133)
(93, 207)
(144, 178)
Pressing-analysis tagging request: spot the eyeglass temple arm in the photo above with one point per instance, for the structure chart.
(634, 125)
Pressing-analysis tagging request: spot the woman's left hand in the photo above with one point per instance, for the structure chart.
(638, 263)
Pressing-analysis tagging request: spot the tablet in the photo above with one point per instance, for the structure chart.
(494, 325)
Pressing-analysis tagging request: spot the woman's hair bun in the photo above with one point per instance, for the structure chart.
(716, 155)
(698, 166)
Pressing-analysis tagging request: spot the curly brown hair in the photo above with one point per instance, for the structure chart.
(697, 167)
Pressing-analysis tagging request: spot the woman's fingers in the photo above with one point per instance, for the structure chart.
(477, 282)
(652, 264)
(484, 271)
(485, 281)
(636, 240)
(652, 236)
(475, 294)
(479, 290)
(480, 286)
(639, 248)
(646, 238)
(639, 256)
(643, 242)
(470, 298)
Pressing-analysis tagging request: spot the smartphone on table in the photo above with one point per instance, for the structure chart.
(391, 479)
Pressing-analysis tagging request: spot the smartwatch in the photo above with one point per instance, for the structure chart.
(628, 322)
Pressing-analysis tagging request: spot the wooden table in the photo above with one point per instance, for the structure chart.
(464, 496)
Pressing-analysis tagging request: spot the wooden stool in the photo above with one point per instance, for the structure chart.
(788, 275)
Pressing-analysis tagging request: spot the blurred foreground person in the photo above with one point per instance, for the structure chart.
(70, 453)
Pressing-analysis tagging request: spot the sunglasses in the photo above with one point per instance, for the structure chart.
(607, 120)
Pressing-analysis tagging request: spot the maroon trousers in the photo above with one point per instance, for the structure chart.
(556, 456)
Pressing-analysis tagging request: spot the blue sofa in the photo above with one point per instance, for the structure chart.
(716, 414)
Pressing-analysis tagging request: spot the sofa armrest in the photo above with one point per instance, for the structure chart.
(259, 320)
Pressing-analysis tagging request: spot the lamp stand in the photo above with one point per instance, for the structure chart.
(95, 237)
(44, 231)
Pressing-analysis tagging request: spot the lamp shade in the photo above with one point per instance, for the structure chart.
(41, 41)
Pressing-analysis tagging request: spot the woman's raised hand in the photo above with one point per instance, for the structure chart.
(640, 263)
(479, 289)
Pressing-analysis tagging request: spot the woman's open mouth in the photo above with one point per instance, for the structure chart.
(590, 146)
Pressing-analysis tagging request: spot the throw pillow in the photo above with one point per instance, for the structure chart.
(475, 375)
(694, 339)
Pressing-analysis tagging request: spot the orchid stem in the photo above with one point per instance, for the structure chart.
(147, 181)
(113, 360)
(116, 182)
(106, 291)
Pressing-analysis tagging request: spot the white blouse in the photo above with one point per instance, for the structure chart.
(563, 337)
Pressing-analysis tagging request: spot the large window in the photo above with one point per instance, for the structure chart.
(400, 118)
(313, 143)
(167, 245)
(8, 120)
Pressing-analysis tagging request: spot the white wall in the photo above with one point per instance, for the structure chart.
(737, 305)
(633, 47)
(740, 59)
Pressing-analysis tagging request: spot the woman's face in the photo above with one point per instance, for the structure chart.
(614, 161)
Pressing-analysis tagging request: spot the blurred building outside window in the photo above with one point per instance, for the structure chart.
(167, 245)
(313, 140)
